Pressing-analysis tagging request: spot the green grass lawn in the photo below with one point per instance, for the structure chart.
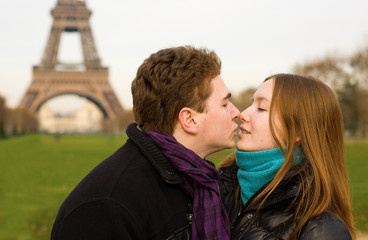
(37, 173)
(357, 161)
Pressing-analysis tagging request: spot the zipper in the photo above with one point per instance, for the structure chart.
(190, 213)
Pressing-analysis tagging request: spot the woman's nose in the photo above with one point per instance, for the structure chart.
(244, 116)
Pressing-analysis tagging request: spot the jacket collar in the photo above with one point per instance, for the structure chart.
(287, 189)
(162, 165)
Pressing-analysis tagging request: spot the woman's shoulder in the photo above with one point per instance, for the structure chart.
(228, 179)
(228, 184)
(326, 226)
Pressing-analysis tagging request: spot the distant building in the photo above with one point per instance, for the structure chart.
(86, 119)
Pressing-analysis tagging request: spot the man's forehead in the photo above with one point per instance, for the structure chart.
(219, 88)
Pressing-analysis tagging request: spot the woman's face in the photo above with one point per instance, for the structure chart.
(255, 129)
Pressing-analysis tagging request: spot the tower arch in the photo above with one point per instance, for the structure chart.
(80, 94)
(88, 79)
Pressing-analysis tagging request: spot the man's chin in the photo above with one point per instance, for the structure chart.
(233, 143)
(230, 145)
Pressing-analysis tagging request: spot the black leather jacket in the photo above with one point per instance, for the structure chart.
(275, 218)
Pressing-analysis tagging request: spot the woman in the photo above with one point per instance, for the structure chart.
(289, 179)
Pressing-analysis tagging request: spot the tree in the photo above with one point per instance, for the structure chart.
(348, 77)
(2, 117)
(363, 112)
(359, 65)
(349, 102)
(330, 69)
(243, 99)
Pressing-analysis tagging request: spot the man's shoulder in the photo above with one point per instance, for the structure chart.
(101, 181)
(131, 172)
(126, 182)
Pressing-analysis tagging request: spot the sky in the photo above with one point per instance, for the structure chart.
(253, 38)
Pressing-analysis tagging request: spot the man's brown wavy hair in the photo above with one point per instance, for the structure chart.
(170, 80)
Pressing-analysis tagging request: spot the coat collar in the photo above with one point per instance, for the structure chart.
(154, 155)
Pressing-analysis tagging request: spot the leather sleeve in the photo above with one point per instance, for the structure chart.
(326, 227)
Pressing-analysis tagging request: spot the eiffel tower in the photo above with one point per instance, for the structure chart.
(88, 79)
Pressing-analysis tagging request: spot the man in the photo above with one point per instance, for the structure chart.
(158, 185)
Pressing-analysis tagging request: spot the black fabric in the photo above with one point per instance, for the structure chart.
(275, 218)
(133, 194)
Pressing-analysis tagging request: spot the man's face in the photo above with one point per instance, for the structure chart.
(217, 127)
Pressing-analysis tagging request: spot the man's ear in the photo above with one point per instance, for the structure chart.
(188, 120)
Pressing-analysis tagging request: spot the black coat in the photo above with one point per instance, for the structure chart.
(133, 194)
(275, 218)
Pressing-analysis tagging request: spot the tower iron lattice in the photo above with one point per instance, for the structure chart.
(88, 79)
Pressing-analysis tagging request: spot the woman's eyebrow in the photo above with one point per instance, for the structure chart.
(260, 99)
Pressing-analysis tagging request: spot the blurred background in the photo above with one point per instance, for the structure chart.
(46, 148)
(254, 39)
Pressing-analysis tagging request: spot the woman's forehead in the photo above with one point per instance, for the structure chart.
(264, 92)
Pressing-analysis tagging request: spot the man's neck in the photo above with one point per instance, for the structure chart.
(189, 141)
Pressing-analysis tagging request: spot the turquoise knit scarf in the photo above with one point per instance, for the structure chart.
(258, 168)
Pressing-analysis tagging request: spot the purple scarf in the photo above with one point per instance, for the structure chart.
(210, 220)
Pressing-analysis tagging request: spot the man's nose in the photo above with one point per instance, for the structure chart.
(234, 112)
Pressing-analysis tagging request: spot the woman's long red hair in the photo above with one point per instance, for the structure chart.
(308, 109)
